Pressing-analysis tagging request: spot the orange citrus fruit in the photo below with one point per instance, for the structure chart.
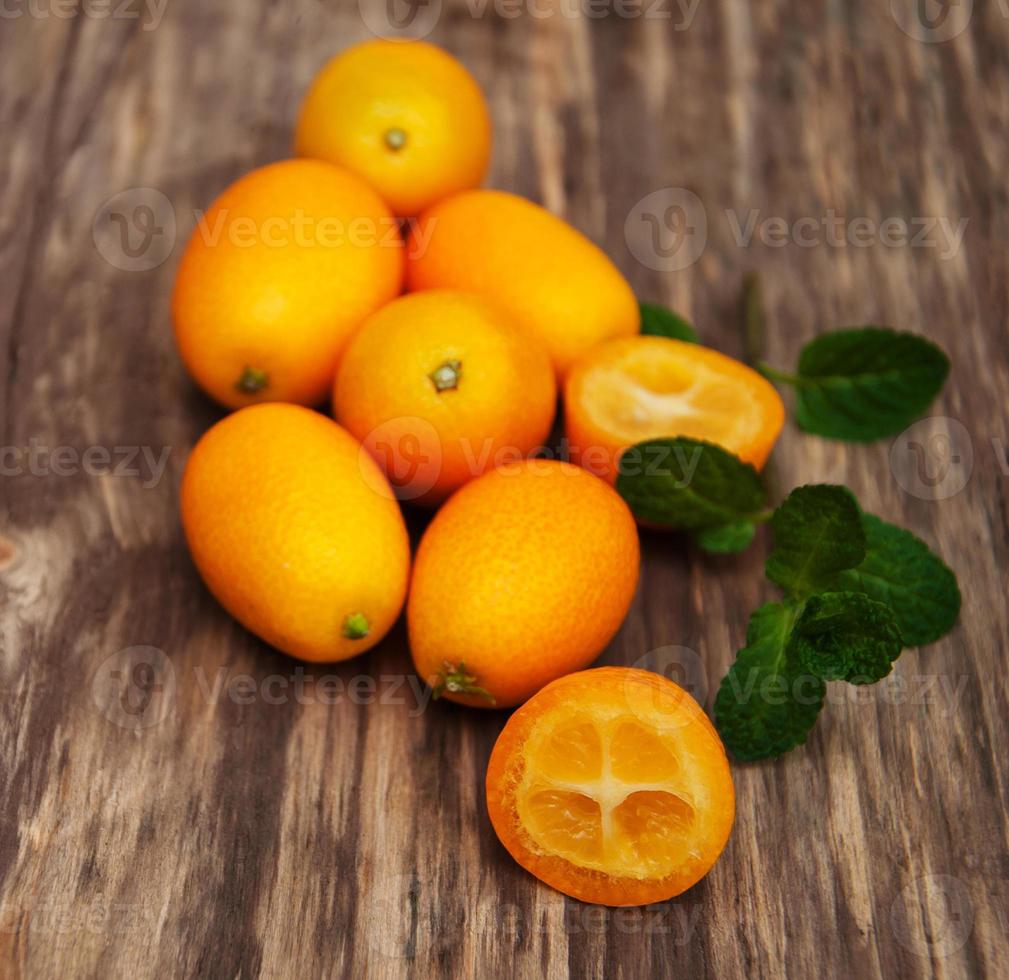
(525, 574)
(634, 389)
(284, 265)
(612, 786)
(288, 525)
(440, 386)
(553, 281)
(405, 115)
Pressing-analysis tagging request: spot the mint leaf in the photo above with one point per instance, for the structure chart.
(817, 533)
(846, 636)
(688, 484)
(660, 322)
(766, 704)
(864, 383)
(900, 570)
(729, 539)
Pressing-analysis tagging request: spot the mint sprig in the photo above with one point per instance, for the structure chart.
(863, 383)
(658, 321)
(858, 590)
(694, 486)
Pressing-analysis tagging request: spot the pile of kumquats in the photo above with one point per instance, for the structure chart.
(444, 323)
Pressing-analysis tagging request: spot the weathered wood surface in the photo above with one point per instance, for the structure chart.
(155, 824)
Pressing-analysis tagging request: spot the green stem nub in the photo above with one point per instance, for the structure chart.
(782, 377)
(252, 381)
(455, 680)
(356, 626)
(395, 138)
(446, 377)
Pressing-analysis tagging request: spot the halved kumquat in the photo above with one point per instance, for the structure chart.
(612, 786)
(633, 389)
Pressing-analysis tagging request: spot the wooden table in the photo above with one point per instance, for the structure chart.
(197, 808)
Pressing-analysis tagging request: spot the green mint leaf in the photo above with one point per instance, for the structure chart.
(660, 322)
(865, 383)
(729, 539)
(846, 636)
(817, 533)
(688, 484)
(900, 570)
(766, 704)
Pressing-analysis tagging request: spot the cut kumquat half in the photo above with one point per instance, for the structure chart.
(612, 786)
(634, 389)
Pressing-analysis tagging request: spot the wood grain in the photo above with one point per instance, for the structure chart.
(218, 833)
